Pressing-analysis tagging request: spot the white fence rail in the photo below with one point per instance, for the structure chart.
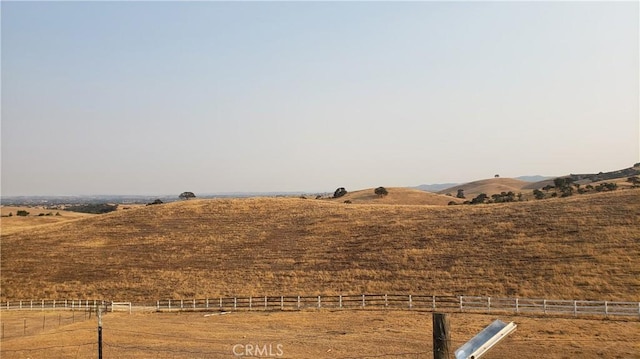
(53, 304)
(363, 301)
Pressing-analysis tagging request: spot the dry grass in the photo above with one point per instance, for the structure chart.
(398, 195)
(489, 186)
(582, 247)
(16, 223)
(308, 334)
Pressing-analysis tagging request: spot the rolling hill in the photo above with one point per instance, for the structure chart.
(581, 247)
(397, 195)
(488, 186)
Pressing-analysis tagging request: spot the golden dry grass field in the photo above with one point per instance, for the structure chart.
(489, 187)
(397, 195)
(305, 334)
(37, 216)
(581, 247)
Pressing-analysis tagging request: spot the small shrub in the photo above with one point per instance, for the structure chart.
(538, 194)
(479, 199)
(22, 213)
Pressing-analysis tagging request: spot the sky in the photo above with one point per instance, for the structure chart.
(143, 98)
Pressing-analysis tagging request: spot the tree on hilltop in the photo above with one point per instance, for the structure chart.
(381, 191)
(186, 195)
(339, 192)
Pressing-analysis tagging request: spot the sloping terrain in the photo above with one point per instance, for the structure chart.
(488, 186)
(38, 216)
(398, 195)
(581, 247)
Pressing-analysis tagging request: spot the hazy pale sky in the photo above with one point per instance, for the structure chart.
(166, 97)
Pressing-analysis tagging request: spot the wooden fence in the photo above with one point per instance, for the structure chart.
(407, 302)
(55, 304)
(364, 301)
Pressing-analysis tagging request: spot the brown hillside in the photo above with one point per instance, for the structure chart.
(38, 216)
(582, 247)
(488, 187)
(397, 195)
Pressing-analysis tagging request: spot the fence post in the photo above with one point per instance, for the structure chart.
(319, 305)
(363, 301)
(606, 309)
(281, 302)
(54, 303)
(265, 302)
(31, 305)
(489, 303)
(517, 309)
(181, 303)
(410, 302)
(460, 299)
(194, 303)
(386, 301)
(544, 306)
(249, 302)
(441, 336)
(20, 304)
(220, 302)
(169, 304)
(206, 301)
(434, 302)
(340, 301)
(575, 308)
(235, 303)
(298, 302)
